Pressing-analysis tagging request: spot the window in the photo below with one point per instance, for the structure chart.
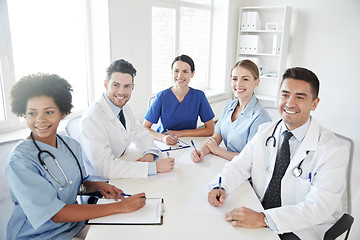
(181, 27)
(51, 37)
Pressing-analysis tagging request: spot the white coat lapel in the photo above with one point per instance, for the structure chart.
(309, 144)
(110, 114)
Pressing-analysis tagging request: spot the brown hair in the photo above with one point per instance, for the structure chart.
(249, 65)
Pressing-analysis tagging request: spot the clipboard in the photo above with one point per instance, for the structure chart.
(164, 147)
(150, 214)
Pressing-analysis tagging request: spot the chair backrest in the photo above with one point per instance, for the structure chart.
(355, 230)
(155, 126)
(6, 205)
(347, 196)
(273, 113)
(72, 128)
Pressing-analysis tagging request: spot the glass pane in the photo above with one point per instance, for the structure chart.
(194, 41)
(49, 36)
(163, 45)
(2, 100)
(205, 2)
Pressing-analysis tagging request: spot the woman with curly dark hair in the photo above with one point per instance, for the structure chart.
(46, 172)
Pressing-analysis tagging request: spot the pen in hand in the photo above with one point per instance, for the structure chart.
(219, 189)
(192, 143)
(127, 195)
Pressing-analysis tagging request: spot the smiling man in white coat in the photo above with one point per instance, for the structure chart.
(298, 168)
(108, 127)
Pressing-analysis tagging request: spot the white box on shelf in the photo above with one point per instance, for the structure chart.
(255, 21)
(272, 27)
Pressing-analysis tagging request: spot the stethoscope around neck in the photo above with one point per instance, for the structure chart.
(82, 187)
(297, 171)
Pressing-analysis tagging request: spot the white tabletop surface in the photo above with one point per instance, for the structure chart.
(187, 213)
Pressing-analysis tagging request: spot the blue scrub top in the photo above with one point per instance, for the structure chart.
(36, 193)
(179, 116)
(238, 133)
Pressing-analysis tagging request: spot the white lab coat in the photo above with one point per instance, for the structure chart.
(104, 139)
(308, 208)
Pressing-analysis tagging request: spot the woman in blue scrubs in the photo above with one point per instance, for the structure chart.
(179, 107)
(240, 118)
(45, 171)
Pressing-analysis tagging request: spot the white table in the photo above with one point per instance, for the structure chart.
(183, 219)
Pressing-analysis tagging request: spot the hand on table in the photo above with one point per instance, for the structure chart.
(202, 152)
(212, 145)
(133, 203)
(146, 158)
(168, 139)
(245, 217)
(165, 165)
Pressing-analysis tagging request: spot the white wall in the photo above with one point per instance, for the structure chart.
(135, 35)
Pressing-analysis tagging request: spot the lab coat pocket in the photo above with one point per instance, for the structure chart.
(302, 187)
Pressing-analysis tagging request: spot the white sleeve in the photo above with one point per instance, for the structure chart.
(96, 147)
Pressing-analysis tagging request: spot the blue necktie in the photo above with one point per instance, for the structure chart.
(272, 196)
(122, 118)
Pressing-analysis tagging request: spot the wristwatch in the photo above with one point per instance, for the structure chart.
(266, 221)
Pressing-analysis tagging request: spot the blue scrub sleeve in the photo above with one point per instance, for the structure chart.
(35, 194)
(206, 113)
(154, 112)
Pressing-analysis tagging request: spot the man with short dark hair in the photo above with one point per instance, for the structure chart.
(298, 168)
(108, 127)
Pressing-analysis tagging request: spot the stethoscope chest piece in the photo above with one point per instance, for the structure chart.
(297, 171)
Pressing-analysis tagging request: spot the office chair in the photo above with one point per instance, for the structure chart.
(72, 128)
(6, 205)
(341, 226)
(345, 222)
(155, 126)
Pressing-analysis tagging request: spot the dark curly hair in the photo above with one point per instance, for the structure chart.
(40, 84)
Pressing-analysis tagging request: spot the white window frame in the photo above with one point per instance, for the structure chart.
(212, 92)
(12, 122)
(176, 5)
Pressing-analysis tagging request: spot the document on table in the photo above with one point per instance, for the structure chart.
(150, 214)
(164, 147)
(199, 201)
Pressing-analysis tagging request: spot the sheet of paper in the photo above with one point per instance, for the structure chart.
(198, 201)
(186, 157)
(151, 213)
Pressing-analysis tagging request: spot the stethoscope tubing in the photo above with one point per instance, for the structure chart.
(51, 155)
(297, 171)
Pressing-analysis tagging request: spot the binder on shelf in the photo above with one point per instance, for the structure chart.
(250, 44)
(150, 214)
(243, 21)
(255, 21)
(276, 45)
